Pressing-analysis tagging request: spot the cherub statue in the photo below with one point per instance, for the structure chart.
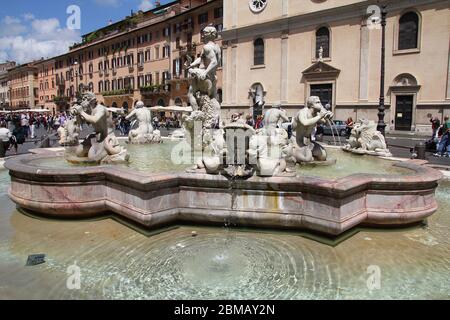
(203, 75)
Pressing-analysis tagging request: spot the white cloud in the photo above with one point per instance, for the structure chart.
(40, 39)
(10, 26)
(45, 27)
(112, 3)
(28, 16)
(146, 5)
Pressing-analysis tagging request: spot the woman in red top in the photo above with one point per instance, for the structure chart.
(349, 124)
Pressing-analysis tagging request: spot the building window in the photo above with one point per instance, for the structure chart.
(100, 86)
(203, 18)
(323, 42)
(140, 58)
(220, 95)
(178, 102)
(218, 13)
(219, 27)
(166, 51)
(258, 52)
(148, 80)
(166, 32)
(408, 36)
(140, 81)
(161, 103)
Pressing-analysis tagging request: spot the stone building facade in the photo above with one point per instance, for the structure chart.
(47, 88)
(139, 58)
(4, 84)
(23, 82)
(285, 50)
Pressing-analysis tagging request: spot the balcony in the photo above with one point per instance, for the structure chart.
(100, 73)
(61, 100)
(130, 68)
(122, 92)
(140, 66)
(155, 90)
(114, 71)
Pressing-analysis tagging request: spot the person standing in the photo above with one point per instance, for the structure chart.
(435, 125)
(5, 138)
(349, 123)
(443, 148)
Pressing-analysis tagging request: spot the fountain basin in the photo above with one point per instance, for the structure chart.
(156, 200)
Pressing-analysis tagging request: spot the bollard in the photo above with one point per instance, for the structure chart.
(2, 149)
(420, 150)
(45, 142)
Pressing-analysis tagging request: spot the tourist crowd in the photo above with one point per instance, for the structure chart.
(441, 136)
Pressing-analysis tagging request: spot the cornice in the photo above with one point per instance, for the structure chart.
(352, 11)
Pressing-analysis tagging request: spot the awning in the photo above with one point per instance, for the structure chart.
(171, 109)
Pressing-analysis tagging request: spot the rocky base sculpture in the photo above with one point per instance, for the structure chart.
(366, 139)
(69, 132)
(145, 133)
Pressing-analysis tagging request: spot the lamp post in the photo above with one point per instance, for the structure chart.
(381, 108)
(76, 79)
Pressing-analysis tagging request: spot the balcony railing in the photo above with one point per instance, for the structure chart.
(61, 100)
(121, 92)
(155, 89)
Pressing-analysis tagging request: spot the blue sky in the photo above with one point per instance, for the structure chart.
(31, 29)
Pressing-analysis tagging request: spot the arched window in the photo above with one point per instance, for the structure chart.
(161, 103)
(258, 52)
(408, 36)
(100, 87)
(178, 102)
(91, 87)
(219, 95)
(323, 41)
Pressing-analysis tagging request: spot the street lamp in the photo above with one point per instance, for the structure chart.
(76, 79)
(381, 108)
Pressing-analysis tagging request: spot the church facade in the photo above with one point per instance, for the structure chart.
(286, 50)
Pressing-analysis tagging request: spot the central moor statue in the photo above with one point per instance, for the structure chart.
(305, 150)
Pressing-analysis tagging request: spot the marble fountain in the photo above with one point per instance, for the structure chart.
(241, 176)
(85, 203)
